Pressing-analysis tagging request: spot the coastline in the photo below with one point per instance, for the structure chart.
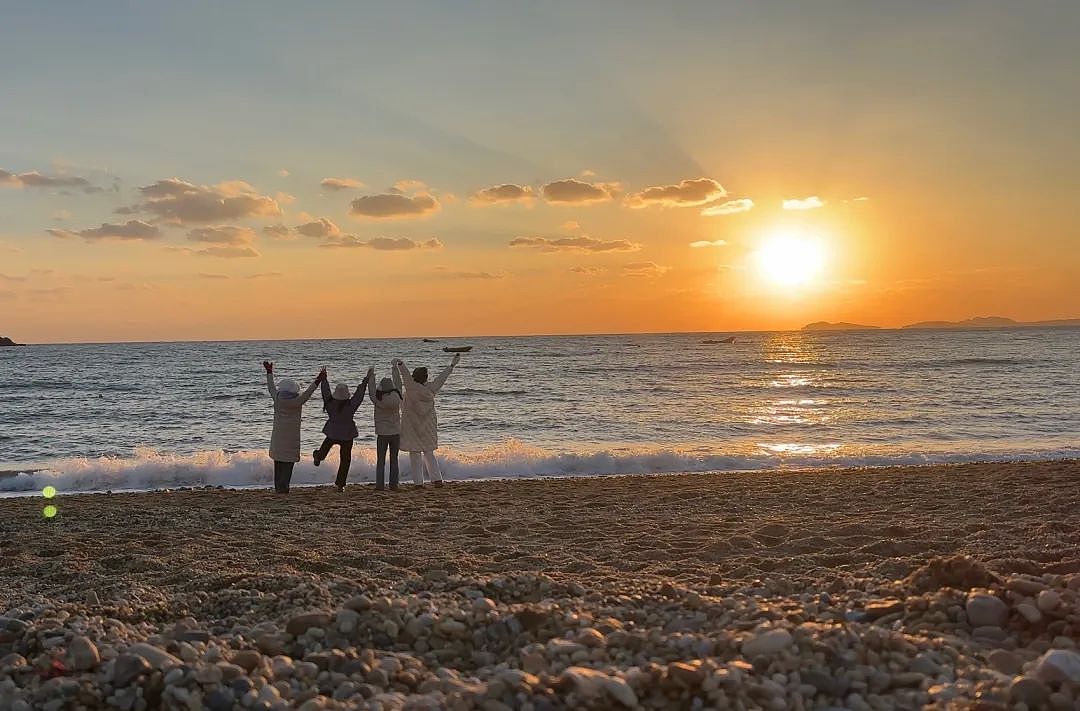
(602, 592)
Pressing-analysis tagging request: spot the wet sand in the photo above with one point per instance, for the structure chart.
(648, 591)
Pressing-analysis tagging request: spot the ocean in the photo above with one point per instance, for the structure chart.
(136, 416)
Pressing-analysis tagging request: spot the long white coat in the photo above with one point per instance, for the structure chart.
(285, 440)
(419, 423)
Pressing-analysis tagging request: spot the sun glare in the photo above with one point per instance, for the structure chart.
(790, 259)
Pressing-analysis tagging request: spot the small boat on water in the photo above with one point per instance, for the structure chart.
(457, 349)
(729, 339)
(430, 340)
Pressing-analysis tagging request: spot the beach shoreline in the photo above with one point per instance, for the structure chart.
(788, 589)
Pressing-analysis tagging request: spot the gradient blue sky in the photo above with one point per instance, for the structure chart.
(957, 120)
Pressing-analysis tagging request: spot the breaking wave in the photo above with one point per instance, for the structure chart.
(149, 469)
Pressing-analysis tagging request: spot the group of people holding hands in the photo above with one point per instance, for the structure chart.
(404, 415)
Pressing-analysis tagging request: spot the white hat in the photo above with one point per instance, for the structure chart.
(341, 391)
(386, 385)
(288, 388)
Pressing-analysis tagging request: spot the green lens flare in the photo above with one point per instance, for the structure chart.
(49, 511)
(48, 492)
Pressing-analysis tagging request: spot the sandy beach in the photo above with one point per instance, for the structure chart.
(954, 587)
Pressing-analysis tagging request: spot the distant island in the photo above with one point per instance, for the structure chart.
(838, 326)
(5, 341)
(977, 322)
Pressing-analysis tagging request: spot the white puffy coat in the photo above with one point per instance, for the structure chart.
(419, 423)
(285, 440)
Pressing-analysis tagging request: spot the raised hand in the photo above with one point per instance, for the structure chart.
(321, 376)
(268, 366)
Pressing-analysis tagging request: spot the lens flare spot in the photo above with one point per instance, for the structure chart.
(50, 511)
(48, 492)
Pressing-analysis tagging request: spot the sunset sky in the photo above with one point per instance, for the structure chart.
(175, 171)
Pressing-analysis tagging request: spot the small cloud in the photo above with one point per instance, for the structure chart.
(320, 228)
(205, 275)
(338, 184)
(709, 243)
(223, 234)
(283, 173)
(263, 275)
(728, 208)
(61, 215)
(228, 252)
(179, 201)
(470, 275)
(34, 179)
(576, 192)
(393, 206)
(385, 244)
(507, 192)
(10, 278)
(278, 231)
(588, 271)
(687, 193)
(583, 243)
(644, 269)
(409, 186)
(808, 203)
(131, 230)
(284, 198)
(588, 173)
(571, 226)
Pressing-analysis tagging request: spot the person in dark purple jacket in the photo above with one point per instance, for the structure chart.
(340, 429)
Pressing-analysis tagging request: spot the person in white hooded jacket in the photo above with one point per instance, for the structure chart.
(419, 423)
(285, 439)
(387, 401)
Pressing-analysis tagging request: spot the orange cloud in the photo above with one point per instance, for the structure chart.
(179, 201)
(222, 234)
(728, 208)
(808, 203)
(336, 184)
(319, 228)
(228, 252)
(278, 230)
(575, 244)
(134, 230)
(688, 193)
(576, 192)
(34, 179)
(709, 243)
(644, 269)
(387, 244)
(393, 206)
(508, 192)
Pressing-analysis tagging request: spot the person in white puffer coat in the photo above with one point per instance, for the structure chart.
(419, 423)
(285, 439)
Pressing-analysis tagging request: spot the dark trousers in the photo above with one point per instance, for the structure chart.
(282, 476)
(385, 443)
(343, 461)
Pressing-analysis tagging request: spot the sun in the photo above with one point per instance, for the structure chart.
(790, 259)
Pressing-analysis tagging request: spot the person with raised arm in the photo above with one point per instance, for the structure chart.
(340, 429)
(285, 438)
(386, 399)
(419, 423)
